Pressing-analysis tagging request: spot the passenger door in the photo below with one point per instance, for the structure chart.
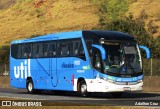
(53, 64)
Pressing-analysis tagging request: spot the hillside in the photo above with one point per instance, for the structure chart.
(151, 9)
(37, 17)
(6, 3)
(25, 18)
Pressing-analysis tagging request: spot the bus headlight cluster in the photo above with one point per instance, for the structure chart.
(139, 81)
(108, 80)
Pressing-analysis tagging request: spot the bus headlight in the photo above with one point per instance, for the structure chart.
(139, 81)
(111, 81)
(108, 80)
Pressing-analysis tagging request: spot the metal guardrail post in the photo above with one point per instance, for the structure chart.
(151, 69)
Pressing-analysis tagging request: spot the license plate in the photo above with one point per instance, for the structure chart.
(127, 89)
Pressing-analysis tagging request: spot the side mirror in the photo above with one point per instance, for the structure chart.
(147, 50)
(103, 52)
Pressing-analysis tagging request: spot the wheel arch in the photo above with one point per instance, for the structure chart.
(28, 79)
(80, 79)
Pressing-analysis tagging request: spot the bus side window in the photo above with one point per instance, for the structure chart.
(78, 50)
(59, 50)
(81, 50)
(45, 49)
(52, 49)
(23, 51)
(16, 51)
(71, 48)
(28, 49)
(68, 48)
(63, 48)
(38, 50)
(76, 45)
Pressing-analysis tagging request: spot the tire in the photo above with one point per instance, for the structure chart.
(83, 89)
(30, 86)
(117, 94)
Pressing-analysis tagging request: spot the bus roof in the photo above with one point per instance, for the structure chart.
(48, 37)
(107, 35)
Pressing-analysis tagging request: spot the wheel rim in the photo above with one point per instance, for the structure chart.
(83, 88)
(30, 87)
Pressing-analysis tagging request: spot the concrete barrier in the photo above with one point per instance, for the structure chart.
(151, 84)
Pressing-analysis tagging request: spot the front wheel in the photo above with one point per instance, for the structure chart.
(30, 86)
(83, 89)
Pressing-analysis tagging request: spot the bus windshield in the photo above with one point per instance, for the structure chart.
(123, 58)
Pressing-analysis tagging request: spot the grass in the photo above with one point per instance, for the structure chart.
(151, 8)
(25, 19)
(4, 82)
(32, 17)
(6, 3)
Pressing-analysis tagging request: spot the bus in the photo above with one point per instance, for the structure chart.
(83, 61)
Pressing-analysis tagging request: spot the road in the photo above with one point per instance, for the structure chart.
(127, 99)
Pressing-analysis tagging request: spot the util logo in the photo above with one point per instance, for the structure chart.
(23, 71)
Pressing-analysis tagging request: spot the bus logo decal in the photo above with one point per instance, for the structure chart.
(67, 65)
(77, 62)
(22, 70)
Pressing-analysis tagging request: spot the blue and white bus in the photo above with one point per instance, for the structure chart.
(82, 61)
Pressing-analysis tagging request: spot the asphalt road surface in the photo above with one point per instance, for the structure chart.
(127, 99)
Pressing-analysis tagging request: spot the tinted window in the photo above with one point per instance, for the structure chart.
(76, 49)
(63, 48)
(46, 49)
(38, 50)
(16, 51)
(26, 50)
(70, 48)
(52, 49)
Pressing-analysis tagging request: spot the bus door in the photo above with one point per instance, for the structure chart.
(64, 65)
(70, 60)
(53, 64)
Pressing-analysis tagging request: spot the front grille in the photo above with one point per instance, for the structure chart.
(126, 83)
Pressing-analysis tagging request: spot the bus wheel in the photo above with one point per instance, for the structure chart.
(30, 86)
(117, 94)
(83, 89)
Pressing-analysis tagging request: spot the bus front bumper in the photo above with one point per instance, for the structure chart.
(105, 86)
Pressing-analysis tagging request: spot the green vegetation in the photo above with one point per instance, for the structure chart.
(4, 55)
(110, 10)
